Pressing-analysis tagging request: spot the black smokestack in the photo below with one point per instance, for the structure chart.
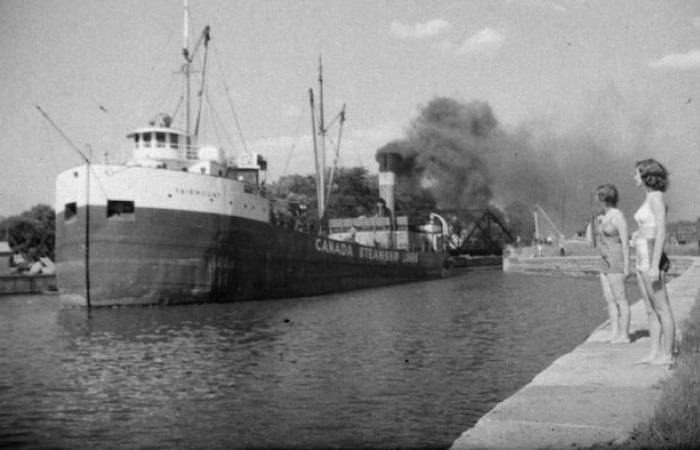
(388, 166)
(442, 152)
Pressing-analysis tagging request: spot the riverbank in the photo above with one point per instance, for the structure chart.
(595, 395)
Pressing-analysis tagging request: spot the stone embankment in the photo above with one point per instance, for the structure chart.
(575, 265)
(594, 395)
(26, 284)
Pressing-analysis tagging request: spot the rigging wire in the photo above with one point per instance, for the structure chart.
(291, 150)
(63, 135)
(49, 145)
(360, 162)
(75, 147)
(218, 123)
(228, 97)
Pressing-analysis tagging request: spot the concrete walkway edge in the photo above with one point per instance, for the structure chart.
(594, 394)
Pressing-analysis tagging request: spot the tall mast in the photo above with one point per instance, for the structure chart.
(321, 188)
(186, 66)
(313, 137)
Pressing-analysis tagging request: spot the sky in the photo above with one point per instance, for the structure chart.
(625, 73)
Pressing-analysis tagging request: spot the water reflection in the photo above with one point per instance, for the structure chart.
(413, 365)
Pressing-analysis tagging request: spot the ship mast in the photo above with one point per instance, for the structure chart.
(187, 70)
(321, 188)
(186, 66)
(313, 139)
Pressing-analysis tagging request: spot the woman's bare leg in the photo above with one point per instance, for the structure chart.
(613, 313)
(652, 317)
(617, 285)
(662, 306)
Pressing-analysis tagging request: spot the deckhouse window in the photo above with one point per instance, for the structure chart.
(69, 211)
(160, 139)
(137, 139)
(120, 209)
(173, 140)
(147, 139)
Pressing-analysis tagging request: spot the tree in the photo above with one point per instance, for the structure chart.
(354, 192)
(32, 232)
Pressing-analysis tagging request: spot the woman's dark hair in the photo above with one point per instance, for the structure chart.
(654, 175)
(607, 193)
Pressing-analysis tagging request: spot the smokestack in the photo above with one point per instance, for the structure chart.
(388, 165)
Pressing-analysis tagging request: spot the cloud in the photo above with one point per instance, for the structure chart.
(420, 30)
(681, 61)
(695, 21)
(485, 41)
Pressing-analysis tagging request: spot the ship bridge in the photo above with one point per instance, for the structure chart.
(162, 143)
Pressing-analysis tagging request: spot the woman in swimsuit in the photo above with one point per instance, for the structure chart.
(649, 243)
(612, 241)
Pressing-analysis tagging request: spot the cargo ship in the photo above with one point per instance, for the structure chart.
(179, 222)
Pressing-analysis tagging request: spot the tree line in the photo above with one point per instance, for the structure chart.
(31, 233)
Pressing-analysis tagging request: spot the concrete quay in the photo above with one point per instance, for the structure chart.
(594, 395)
(586, 265)
(27, 284)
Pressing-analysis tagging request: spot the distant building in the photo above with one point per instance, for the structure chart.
(683, 232)
(5, 250)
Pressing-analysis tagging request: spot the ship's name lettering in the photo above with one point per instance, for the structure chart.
(334, 247)
(371, 254)
(200, 192)
(378, 254)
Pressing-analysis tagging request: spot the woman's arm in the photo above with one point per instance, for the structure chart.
(658, 208)
(589, 234)
(621, 224)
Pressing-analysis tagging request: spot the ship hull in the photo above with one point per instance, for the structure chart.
(170, 256)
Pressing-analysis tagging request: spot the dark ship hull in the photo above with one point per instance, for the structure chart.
(180, 222)
(167, 256)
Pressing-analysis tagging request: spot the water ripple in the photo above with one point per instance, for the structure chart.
(413, 365)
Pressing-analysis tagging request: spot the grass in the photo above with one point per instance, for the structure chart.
(676, 421)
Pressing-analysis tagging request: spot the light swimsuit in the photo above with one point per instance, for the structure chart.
(610, 245)
(646, 233)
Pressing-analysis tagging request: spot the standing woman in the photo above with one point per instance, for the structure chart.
(649, 243)
(612, 241)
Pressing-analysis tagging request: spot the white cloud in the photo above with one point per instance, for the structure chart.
(695, 21)
(485, 41)
(682, 61)
(420, 30)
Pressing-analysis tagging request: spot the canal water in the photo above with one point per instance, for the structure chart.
(405, 366)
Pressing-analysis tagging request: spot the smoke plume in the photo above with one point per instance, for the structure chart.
(465, 159)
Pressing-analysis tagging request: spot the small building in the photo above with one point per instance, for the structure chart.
(5, 250)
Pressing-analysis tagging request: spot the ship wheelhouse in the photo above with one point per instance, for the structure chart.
(161, 144)
(160, 147)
